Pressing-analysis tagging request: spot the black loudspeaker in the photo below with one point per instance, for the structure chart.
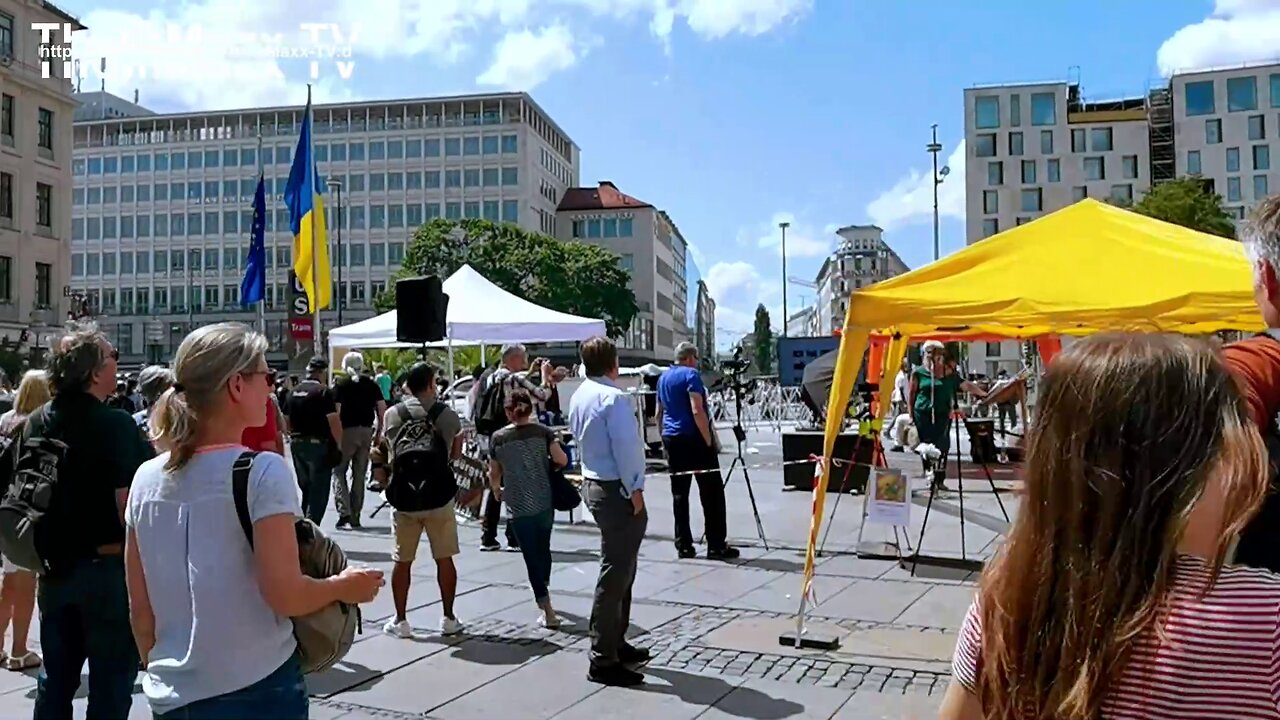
(421, 310)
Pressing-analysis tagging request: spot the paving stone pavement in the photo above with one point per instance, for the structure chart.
(507, 667)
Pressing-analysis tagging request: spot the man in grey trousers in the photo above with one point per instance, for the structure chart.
(603, 422)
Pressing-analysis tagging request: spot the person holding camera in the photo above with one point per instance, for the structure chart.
(689, 439)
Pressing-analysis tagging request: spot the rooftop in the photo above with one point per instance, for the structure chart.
(63, 15)
(605, 197)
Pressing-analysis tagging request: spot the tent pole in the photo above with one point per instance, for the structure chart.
(450, 359)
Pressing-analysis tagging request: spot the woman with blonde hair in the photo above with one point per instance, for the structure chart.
(211, 614)
(1111, 598)
(18, 589)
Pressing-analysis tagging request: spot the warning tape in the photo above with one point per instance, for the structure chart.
(835, 462)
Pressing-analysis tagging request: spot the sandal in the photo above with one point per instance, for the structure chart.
(29, 661)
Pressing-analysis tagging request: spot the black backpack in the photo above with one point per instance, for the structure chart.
(29, 529)
(421, 476)
(492, 416)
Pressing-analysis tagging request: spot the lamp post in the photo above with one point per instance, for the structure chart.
(336, 185)
(783, 226)
(933, 148)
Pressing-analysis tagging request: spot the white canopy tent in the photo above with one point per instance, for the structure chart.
(479, 313)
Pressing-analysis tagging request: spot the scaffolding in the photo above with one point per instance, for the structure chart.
(1160, 134)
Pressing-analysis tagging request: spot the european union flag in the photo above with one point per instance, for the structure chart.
(254, 285)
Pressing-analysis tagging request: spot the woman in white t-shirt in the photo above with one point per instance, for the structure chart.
(210, 614)
(18, 589)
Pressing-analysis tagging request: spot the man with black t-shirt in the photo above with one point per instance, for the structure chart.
(84, 606)
(360, 408)
(423, 436)
(315, 432)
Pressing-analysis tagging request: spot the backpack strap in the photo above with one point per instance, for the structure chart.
(436, 410)
(240, 492)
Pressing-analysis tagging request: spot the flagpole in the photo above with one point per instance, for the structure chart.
(315, 241)
(262, 302)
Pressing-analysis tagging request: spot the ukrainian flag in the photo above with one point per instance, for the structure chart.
(306, 219)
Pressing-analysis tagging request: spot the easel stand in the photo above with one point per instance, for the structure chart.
(963, 562)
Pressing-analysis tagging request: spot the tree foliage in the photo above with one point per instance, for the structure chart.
(764, 341)
(571, 277)
(1187, 201)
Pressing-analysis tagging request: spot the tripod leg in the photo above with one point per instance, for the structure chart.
(992, 482)
(915, 558)
(844, 487)
(960, 488)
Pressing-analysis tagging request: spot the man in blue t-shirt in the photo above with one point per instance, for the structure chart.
(687, 435)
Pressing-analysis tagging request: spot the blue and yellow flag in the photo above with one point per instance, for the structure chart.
(306, 219)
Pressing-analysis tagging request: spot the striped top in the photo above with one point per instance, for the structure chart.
(1220, 657)
(523, 451)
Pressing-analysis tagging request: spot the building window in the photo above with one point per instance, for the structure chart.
(990, 226)
(6, 118)
(1212, 131)
(1015, 110)
(1078, 193)
(510, 176)
(6, 279)
(44, 205)
(995, 172)
(1078, 141)
(1233, 159)
(1275, 90)
(1095, 168)
(1122, 193)
(1046, 142)
(1261, 157)
(44, 137)
(1053, 171)
(1031, 200)
(1198, 98)
(625, 227)
(990, 202)
(1193, 162)
(1028, 172)
(44, 285)
(986, 145)
(6, 196)
(986, 112)
(1044, 109)
(6, 35)
(1015, 143)
(1233, 189)
(1129, 167)
(1260, 187)
(1100, 140)
(1242, 93)
(1257, 127)
(510, 211)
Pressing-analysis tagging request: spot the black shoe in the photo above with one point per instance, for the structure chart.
(355, 522)
(686, 551)
(724, 553)
(343, 522)
(615, 675)
(632, 656)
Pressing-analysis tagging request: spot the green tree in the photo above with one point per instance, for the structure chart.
(1186, 201)
(764, 341)
(571, 277)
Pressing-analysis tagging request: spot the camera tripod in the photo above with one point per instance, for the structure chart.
(740, 436)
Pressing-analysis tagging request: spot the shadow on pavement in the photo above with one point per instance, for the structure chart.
(738, 701)
(368, 556)
(496, 650)
(775, 564)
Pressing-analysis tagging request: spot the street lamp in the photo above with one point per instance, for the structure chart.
(933, 148)
(336, 185)
(783, 226)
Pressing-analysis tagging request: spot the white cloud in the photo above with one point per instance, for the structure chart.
(738, 288)
(1237, 31)
(803, 240)
(208, 54)
(910, 200)
(523, 60)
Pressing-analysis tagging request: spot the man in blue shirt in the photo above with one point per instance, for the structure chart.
(604, 425)
(688, 436)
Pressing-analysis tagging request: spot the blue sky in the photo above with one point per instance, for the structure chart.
(729, 114)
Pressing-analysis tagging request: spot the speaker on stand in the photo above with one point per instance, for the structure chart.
(422, 309)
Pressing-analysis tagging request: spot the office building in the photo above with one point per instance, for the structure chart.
(101, 105)
(862, 258)
(35, 177)
(803, 323)
(651, 249)
(163, 203)
(704, 327)
(1036, 148)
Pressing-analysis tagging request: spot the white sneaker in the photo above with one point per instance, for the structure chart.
(401, 629)
(450, 626)
(551, 623)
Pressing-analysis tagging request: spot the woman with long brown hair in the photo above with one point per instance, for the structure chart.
(1110, 597)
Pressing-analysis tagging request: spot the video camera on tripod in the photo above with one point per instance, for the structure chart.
(733, 370)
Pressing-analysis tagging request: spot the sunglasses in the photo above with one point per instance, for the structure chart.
(115, 354)
(268, 375)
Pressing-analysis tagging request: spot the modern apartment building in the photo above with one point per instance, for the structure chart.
(861, 258)
(1036, 148)
(652, 250)
(162, 203)
(35, 177)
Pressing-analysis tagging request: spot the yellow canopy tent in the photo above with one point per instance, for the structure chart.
(1087, 268)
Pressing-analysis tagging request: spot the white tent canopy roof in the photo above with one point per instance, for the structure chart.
(479, 311)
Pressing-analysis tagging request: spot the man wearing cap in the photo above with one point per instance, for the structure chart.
(315, 432)
(360, 409)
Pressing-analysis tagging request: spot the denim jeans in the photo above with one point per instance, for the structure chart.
(313, 476)
(282, 695)
(534, 534)
(84, 614)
